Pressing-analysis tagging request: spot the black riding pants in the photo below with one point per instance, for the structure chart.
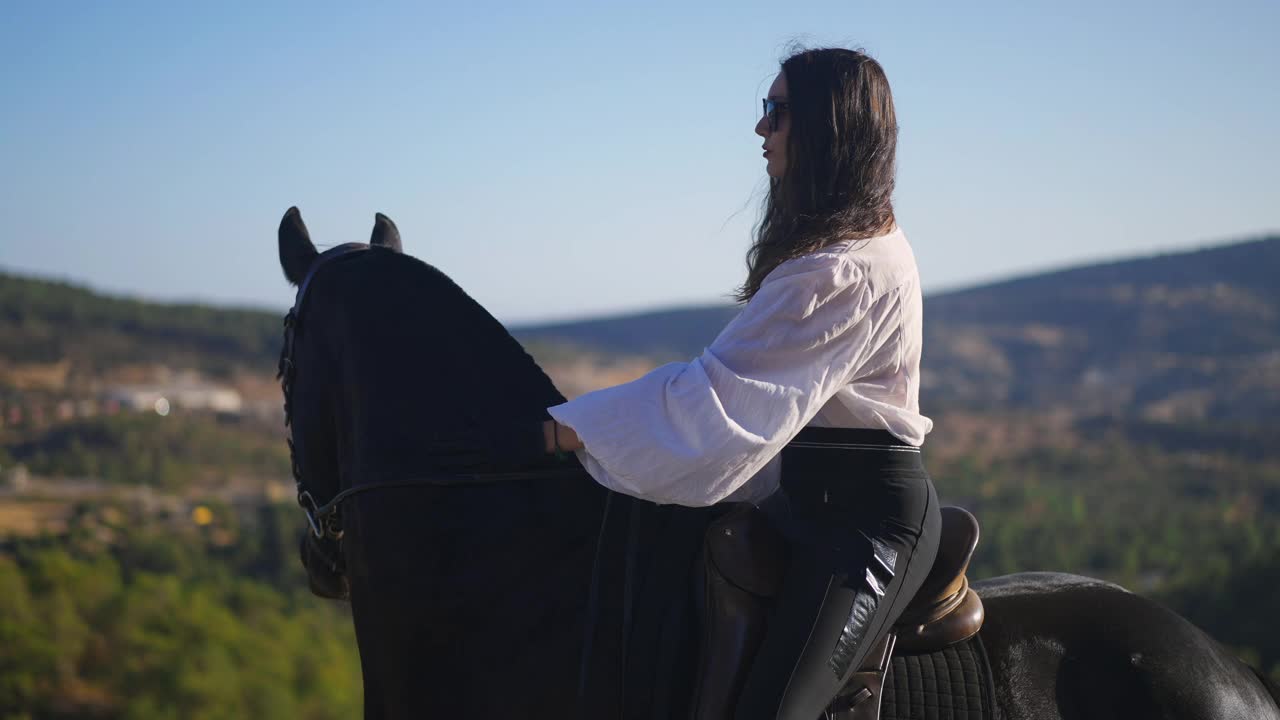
(863, 522)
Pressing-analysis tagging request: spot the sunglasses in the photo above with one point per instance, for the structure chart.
(771, 110)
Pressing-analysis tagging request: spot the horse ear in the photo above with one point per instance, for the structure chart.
(385, 233)
(296, 251)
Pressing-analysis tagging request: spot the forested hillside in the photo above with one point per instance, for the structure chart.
(49, 322)
(1187, 335)
(125, 617)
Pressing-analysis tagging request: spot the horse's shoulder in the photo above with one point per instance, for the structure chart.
(1039, 583)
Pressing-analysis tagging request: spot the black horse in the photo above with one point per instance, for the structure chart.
(470, 554)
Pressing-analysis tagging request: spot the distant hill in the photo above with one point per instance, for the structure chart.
(1182, 336)
(677, 333)
(48, 323)
(1179, 336)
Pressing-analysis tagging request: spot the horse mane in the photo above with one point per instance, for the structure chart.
(425, 379)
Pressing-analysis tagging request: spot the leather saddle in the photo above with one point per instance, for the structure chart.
(743, 561)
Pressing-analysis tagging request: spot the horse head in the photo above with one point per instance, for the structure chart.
(393, 371)
(393, 376)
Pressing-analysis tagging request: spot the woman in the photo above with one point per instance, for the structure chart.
(806, 404)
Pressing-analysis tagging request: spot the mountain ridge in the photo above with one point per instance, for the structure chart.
(1190, 335)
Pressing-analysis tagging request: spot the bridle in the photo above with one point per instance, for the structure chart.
(323, 517)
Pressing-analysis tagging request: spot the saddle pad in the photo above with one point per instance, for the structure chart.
(951, 684)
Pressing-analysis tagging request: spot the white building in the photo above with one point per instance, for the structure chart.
(184, 394)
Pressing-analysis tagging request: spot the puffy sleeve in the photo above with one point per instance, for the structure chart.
(691, 433)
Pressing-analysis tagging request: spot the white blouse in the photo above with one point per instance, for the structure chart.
(831, 339)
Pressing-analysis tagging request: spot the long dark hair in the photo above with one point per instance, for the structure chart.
(840, 161)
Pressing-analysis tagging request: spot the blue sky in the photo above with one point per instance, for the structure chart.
(573, 159)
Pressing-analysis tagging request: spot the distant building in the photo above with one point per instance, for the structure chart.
(185, 394)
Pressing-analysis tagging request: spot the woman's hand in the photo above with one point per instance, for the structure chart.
(569, 440)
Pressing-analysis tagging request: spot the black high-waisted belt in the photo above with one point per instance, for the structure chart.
(862, 520)
(841, 483)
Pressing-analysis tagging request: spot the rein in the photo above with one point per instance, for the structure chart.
(323, 517)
